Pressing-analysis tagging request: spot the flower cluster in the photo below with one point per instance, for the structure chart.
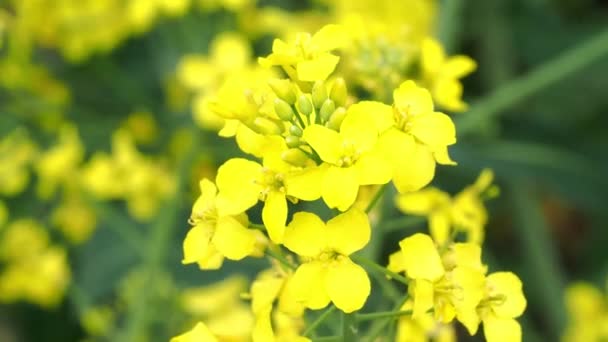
(312, 143)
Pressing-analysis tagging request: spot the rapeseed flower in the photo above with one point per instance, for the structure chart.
(327, 274)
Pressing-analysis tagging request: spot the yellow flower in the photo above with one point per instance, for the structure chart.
(452, 286)
(16, 152)
(58, 164)
(215, 236)
(442, 74)
(503, 302)
(199, 333)
(587, 310)
(308, 58)
(463, 213)
(349, 156)
(327, 273)
(413, 136)
(75, 219)
(269, 286)
(423, 328)
(242, 183)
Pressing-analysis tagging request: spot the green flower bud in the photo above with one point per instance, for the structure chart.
(304, 105)
(293, 141)
(327, 109)
(295, 157)
(338, 92)
(266, 126)
(283, 88)
(295, 130)
(335, 121)
(319, 94)
(283, 110)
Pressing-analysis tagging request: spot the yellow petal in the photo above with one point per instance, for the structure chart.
(200, 332)
(347, 285)
(206, 200)
(395, 262)
(309, 285)
(458, 66)
(501, 330)
(393, 145)
(262, 329)
(422, 291)
(340, 187)
(264, 290)
(414, 170)
(413, 100)
(306, 184)
(235, 181)
(439, 227)
(433, 56)
(329, 37)
(434, 129)
(317, 69)
(442, 156)
(348, 232)
(326, 142)
(508, 285)
(423, 202)
(359, 130)
(196, 243)
(372, 169)
(305, 234)
(370, 111)
(421, 258)
(274, 215)
(233, 239)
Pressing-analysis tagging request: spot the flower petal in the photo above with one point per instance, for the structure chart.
(326, 142)
(306, 184)
(348, 232)
(420, 257)
(274, 215)
(317, 69)
(501, 330)
(305, 234)
(200, 332)
(414, 170)
(237, 189)
(348, 285)
(371, 169)
(233, 239)
(340, 187)
(309, 285)
(434, 129)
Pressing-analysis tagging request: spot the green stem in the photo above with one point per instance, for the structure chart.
(402, 223)
(311, 328)
(378, 268)
(521, 88)
(328, 339)
(280, 258)
(376, 198)
(382, 314)
(349, 327)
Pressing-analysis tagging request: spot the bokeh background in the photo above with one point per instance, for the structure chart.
(537, 116)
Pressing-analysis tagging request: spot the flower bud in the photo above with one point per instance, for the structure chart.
(293, 141)
(283, 110)
(338, 92)
(335, 121)
(319, 94)
(295, 157)
(283, 89)
(304, 105)
(295, 130)
(327, 109)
